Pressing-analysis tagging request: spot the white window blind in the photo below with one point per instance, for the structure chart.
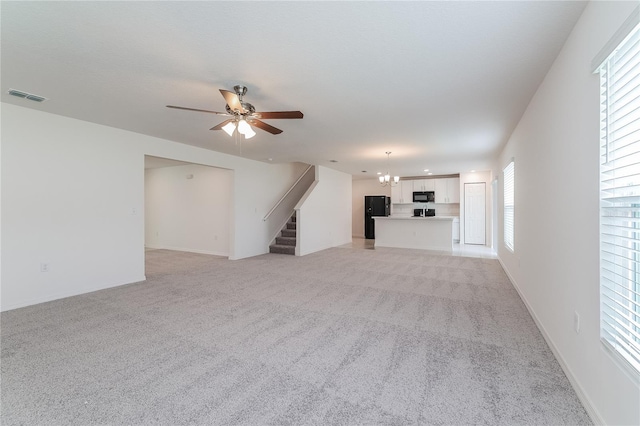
(509, 205)
(620, 200)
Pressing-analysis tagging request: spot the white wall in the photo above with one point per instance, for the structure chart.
(188, 208)
(360, 188)
(555, 263)
(478, 177)
(324, 216)
(73, 197)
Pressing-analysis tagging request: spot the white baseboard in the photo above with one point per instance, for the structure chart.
(188, 250)
(57, 296)
(593, 413)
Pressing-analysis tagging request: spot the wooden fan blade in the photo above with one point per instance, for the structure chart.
(232, 100)
(278, 114)
(198, 110)
(221, 125)
(266, 127)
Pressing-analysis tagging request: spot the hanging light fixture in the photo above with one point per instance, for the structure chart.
(249, 133)
(245, 129)
(243, 126)
(229, 128)
(386, 179)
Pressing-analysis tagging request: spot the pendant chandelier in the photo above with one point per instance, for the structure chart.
(386, 179)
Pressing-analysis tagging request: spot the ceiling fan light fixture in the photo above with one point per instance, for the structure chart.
(229, 128)
(249, 133)
(243, 127)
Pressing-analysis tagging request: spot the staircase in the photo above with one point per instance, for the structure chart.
(286, 242)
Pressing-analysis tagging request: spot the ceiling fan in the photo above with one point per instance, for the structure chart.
(244, 115)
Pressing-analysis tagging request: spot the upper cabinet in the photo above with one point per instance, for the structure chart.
(424, 185)
(402, 192)
(396, 194)
(453, 188)
(447, 190)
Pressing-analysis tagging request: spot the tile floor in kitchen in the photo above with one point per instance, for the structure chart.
(467, 250)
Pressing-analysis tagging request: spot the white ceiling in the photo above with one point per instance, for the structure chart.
(440, 84)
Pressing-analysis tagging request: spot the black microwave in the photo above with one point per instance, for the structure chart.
(424, 197)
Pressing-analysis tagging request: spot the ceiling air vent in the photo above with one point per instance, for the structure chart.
(25, 95)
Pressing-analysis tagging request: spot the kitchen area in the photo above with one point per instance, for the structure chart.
(419, 214)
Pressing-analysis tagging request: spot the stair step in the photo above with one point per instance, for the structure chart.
(293, 218)
(280, 249)
(289, 233)
(286, 241)
(291, 225)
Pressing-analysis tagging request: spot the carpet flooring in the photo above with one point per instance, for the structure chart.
(339, 337)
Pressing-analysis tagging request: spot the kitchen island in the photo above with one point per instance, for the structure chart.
(426, 233)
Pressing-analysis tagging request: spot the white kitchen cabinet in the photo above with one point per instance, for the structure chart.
(453, 186)
(402, 193)
(424, 185)
(429, 184)
(442, 192)
(396, 194)
(407, 191)
(447, 190)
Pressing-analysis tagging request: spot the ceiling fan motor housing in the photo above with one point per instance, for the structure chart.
(250, 109)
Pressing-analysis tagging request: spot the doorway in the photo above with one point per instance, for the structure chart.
(187, 207)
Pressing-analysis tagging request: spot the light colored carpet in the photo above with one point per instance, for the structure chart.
(339, 337)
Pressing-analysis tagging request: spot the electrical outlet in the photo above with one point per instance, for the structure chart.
(44, 267)
(576, 321)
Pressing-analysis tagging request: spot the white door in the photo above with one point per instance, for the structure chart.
(474, 213)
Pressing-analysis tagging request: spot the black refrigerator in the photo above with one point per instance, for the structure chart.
(374, 205)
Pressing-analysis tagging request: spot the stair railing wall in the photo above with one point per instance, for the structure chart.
(279, 215)
(299, 215)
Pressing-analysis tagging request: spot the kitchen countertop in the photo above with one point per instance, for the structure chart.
(415, 217)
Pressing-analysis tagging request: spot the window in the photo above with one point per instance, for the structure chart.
(620, 199)
(509, 205)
